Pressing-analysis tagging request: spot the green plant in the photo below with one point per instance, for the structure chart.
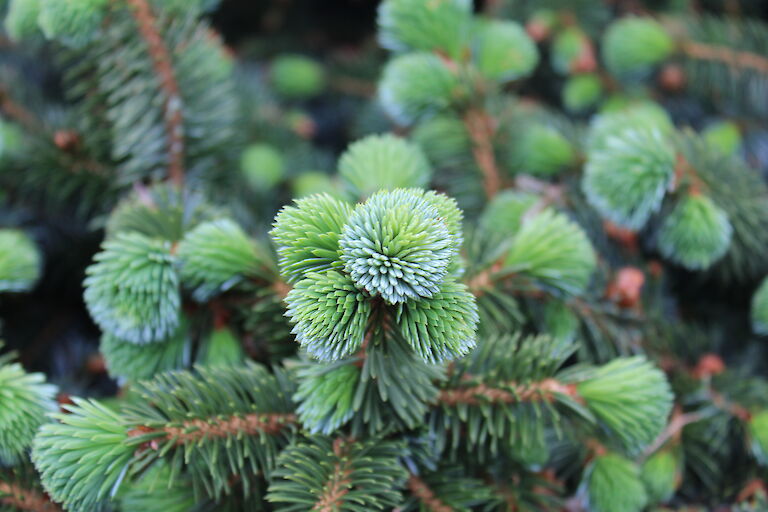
(481, 303)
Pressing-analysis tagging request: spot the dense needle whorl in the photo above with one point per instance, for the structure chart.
(397, 245)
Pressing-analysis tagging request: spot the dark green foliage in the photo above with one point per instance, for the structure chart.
(214, 422)
(139, 123)
(347, 475)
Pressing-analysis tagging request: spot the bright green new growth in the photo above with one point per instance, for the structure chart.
(73, 22)
(21, 19)
(132, 289)
(313, 183)
(218, 255)
(758, 434)
(614, 485)
(437, 25)
(759, 310)
(326, 397)
(442, 328)
(83, 456)
(160, 211)
(503, 51)
(696, 233)
(297, 77)
(632, 399)
(504, 214)
(25, 400)
(554, 250)
(263, 166)
(626, 179)
(365, 475)
(633, 45)
(382, 162)
(566, 48)
(416, 84)
(541, 150)
(398, 245)
(19, 261)
(307, 235)
(137, 362)
(660, 474)
(222, 348)
(582, 92)
(443, 139)
(724, 135)
(644, 115)
(330, 315)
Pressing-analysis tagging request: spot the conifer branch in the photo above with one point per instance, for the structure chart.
(514, 393)
(194, 430)
(25, 499)
(339, 481)
(16, 111)
(737, 61)
(172, 106)
(426, 496)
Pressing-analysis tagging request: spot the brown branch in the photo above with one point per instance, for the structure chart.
(679, 421)
(425, 495)
(26, 499)
(281, 288)
(544, 390)
(194, 430)
(161, 60)
(735, 59)
(16, 112)
(481, 130)
(339, 482)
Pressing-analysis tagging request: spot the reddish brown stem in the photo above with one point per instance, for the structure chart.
(425, 495)
(194, 430)
(26, 499)
(172, 105)
(16, 112)
(544, 390)
(733, 58)
(339, 481)
(481, 130)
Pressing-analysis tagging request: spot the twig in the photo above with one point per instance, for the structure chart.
(26, 499)
(481, 130)
(339, 482)
(172, 106)
(730, 57)
(679, 421)
(426, 496)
